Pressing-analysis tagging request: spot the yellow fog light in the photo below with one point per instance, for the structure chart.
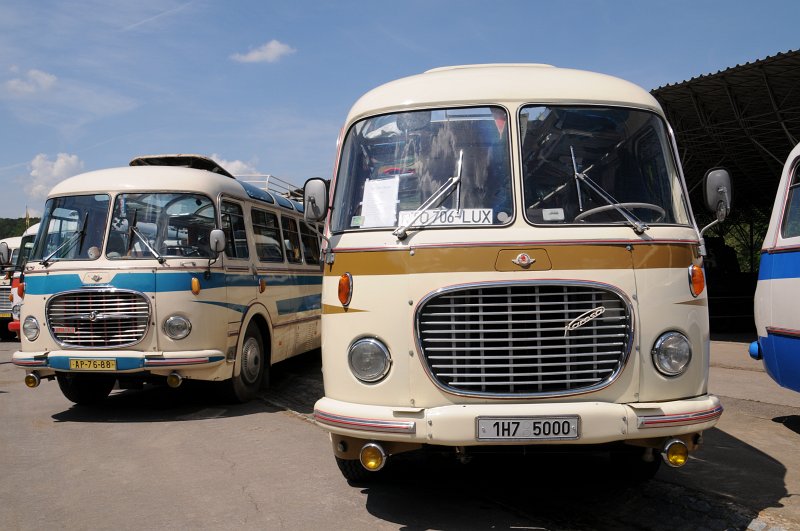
(174, 380)
(32, 380)
(675, 453)
(372, 457)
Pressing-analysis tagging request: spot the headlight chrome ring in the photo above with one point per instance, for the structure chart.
(369, 359)
(177, 327)
(672, 353)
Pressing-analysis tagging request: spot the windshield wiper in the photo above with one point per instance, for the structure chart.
(436, 199)
(67, 245)
(132, 230)
(636, 224)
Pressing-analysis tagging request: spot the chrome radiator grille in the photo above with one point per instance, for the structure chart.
(524, 338)
(98, 318)
(5, 301)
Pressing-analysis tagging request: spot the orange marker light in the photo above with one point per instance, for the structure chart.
(345, 288)
(697, 280)
(195, 285)
(262, 285)
(21, 290)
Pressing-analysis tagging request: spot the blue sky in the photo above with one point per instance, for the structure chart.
(264, 86)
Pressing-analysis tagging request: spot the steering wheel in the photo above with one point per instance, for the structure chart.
(605, 208)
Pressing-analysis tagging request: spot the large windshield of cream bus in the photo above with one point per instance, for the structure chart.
(392, 165)
(598, 165)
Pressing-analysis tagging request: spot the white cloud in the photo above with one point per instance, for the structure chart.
(46, 173)
(270, 52)
(34, 81)
(235, 167)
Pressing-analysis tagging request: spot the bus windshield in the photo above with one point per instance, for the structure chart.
(445, 167)
(598, 165)
(72, 228)
(153, 225)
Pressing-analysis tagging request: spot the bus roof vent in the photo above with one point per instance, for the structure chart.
(198, 162)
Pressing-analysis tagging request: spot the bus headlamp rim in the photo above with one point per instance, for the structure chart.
(664, 354)
(31, 328)
(177, 327)
(364, 346)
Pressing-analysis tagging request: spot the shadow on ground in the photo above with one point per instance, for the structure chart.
(574, 491)
(295, 384)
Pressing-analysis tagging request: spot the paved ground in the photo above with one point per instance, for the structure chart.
(165, 459)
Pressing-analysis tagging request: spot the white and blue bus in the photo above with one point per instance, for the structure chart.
(778, 288)
(170, 268)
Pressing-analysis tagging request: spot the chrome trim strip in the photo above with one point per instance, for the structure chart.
(362, 424)
(679, 419)
(30, 363)
(157, 362)
(493, 284)
(788, 332)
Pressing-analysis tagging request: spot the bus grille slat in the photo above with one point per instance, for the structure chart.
(5, 299)
(524, 339)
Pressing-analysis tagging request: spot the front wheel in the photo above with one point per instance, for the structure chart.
(253, 366)
(635, 465)
(352, 471)
(85, 389)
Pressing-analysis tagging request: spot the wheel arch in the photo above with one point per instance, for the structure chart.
(258, 315)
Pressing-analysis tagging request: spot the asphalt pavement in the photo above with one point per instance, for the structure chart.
(183, 459)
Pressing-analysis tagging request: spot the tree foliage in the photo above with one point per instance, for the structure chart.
(14, 226)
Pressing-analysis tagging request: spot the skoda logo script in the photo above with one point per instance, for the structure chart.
(584, 318)
(93, 315)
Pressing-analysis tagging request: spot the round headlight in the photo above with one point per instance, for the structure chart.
(177, 327)
(369, 359)
(30, 327)
(672, 353)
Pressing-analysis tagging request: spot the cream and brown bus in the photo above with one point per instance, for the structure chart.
(167, 270)
(512, 260)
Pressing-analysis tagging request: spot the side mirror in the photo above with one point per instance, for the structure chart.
(717, 192)
(216, 241)
(5, 253)
(315, 199)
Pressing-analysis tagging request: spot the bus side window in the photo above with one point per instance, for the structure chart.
(310, 244)
(267, 235)
(235, 232)
(791, 220)
(291, 240)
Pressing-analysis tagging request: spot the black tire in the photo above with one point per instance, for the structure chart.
(353, 471)
(253, 366)
(6, 334)
(632, 468)
(85, 389)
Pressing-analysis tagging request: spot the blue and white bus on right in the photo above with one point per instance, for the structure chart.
(777, 298)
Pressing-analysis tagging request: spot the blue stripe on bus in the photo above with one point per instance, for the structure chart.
(299, 304)
(241, 308)
(779, 265)
(293, 280)
(161, 282)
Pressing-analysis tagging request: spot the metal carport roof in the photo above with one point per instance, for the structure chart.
(745, 118)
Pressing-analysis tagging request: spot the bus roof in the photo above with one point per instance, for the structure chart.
(498, 83)
(167, 179)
